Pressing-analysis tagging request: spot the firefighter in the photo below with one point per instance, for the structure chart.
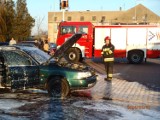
(108, 57)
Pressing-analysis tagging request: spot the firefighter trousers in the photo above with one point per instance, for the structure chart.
(109, 69)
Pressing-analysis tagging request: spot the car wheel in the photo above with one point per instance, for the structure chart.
(73, 55)
(135, 57)
(58, 87)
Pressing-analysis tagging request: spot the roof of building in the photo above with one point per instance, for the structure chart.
(138, 14)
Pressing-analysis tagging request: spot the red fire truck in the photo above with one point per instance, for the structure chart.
(134, 42)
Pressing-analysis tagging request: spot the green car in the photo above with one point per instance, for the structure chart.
(23, 67)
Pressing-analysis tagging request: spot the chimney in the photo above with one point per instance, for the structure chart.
(120, 8)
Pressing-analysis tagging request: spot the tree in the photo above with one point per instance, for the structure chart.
(23, 22)
(3, 26)
(39, 21)
(15, 21)
(10, 18)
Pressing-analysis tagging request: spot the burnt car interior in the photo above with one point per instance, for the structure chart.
(2, 72)
(18, 68)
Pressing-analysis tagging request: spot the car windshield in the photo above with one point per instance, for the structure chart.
(39, 55)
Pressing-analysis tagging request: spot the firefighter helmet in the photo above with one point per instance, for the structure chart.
(107, 38)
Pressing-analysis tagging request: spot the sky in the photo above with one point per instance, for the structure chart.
(39, 9)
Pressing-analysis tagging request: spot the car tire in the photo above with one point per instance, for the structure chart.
(135, 57)
(58, 87)
(73, 55)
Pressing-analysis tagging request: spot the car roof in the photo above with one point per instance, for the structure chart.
(4, 43)
(28, 41)
(26, 44)
(7, 47)
(14, 47)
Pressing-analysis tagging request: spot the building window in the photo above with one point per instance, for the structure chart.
(55, 18)
(82, 18)
(93, 18)
(103, 18)
(69, 18)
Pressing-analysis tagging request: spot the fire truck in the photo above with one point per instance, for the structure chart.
(134, 42)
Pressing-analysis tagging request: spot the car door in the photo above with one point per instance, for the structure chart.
(22, 69)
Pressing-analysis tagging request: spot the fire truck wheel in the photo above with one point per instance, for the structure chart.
(58, 87)
(73, 55)
(135, 57)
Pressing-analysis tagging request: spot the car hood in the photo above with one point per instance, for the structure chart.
(60, 52)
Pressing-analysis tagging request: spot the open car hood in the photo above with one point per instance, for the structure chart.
(60, 52)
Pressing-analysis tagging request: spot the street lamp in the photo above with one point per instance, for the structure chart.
(63, 5)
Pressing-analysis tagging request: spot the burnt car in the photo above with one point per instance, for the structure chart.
(28, 43)
(4, 43)
(25, 67)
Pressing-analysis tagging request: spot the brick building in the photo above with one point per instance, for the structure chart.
(136, 15)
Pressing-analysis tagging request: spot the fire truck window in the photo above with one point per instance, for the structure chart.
(68, 30)
(83, 29)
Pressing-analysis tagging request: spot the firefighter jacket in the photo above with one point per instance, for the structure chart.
(108, 53)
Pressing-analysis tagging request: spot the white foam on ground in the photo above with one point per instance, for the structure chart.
(7, 104)
(126, 114)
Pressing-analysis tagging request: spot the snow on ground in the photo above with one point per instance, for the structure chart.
(123, 113)
(7, 104)
(92, 108)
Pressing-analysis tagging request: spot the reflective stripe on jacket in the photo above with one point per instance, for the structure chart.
(108, 53)
(108, 59)
(110, 75)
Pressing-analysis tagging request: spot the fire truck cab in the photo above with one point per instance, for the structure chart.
(84, 46)
(134, 42)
